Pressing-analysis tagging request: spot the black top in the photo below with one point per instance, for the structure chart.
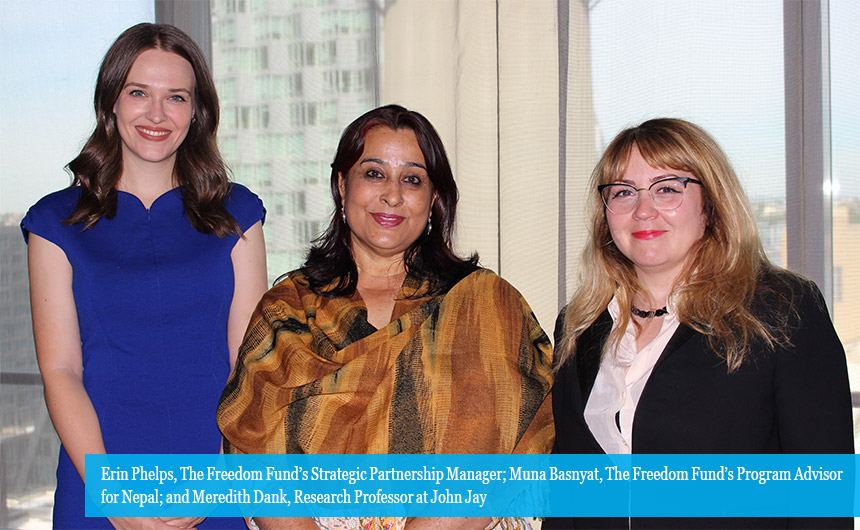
(789, 400)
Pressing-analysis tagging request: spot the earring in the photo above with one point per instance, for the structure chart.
(343, 214)
(429, 225)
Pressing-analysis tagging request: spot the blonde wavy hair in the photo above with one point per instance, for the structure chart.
(715, 290)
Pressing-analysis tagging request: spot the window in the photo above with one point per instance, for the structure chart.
(291, 74)
(259, 6)
(277, 27)
(226, 89)
(296, 144)
(245, 59)
(345, 21)
(328, 22)
(225, 31)
(302, 114)
(270, 87)
(229, 119)
(363, 50)
(263, 175)
(844, 119)
(493, 91)
(719, 64)
(328, 113)
(326, 52)
(304, 230)
(53, 49)
(228, 146)
(297, 202)
(271, 145)
(277, 203)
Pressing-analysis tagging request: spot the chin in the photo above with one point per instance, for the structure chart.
(390, 251)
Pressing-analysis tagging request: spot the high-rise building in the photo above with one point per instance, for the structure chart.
(290, 75)
(26, 433)
(16, 336)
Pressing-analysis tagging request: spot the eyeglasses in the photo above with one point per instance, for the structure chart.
(666, 194)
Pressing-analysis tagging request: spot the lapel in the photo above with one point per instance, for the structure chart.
(590, 346)
(681, 335)
(589, 350)
(586, 363)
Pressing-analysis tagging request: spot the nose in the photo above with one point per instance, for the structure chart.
(155, 111)
(392, 195)
(644, 208)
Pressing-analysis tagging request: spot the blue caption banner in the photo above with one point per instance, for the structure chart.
(471, 485)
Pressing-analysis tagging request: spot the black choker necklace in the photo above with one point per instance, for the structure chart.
(649, 314)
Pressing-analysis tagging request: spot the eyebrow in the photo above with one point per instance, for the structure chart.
(144, 85)
(653, 179)
(383, 163)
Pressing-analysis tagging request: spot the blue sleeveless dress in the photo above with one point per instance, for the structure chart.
(153, 296)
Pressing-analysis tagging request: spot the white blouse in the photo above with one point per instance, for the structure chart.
(620, 380)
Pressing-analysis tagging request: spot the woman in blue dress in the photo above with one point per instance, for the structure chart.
(144, 272)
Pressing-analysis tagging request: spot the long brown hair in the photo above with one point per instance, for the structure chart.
(199, 168)
(715, 292)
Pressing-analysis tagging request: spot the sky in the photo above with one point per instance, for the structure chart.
(737, 75)
(50, 52)
(845, 95)
(54, 49)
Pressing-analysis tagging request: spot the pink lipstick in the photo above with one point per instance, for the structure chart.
(387, 220)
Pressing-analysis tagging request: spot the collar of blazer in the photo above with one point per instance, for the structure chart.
(590, 346)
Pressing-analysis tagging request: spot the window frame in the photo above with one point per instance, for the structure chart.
(807, 129)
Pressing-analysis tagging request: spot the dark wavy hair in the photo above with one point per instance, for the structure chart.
(330, 269)
(199, 168)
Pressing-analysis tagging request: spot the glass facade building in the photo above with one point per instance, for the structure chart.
(291, 75)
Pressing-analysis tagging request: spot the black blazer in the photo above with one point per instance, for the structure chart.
(792, 400)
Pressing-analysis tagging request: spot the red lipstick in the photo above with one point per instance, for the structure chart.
(648, 234)
(153, 134)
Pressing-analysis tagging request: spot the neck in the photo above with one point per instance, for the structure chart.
(657, 291)
(379, 272)
(147, 182)
(139, 172)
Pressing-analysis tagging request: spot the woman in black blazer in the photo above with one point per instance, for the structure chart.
(683, 337)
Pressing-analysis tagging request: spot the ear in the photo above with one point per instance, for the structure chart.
(433, 200)
(341, 186)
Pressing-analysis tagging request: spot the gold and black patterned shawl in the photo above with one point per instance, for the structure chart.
(465, 372)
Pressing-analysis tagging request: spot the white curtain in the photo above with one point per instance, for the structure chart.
(507, 84)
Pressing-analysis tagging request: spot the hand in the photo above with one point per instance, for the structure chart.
(141, 523)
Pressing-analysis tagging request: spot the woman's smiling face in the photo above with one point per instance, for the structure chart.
(155, 107)
(657, 241)
(387, 194)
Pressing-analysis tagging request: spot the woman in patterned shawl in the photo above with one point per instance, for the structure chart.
(385, 341)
